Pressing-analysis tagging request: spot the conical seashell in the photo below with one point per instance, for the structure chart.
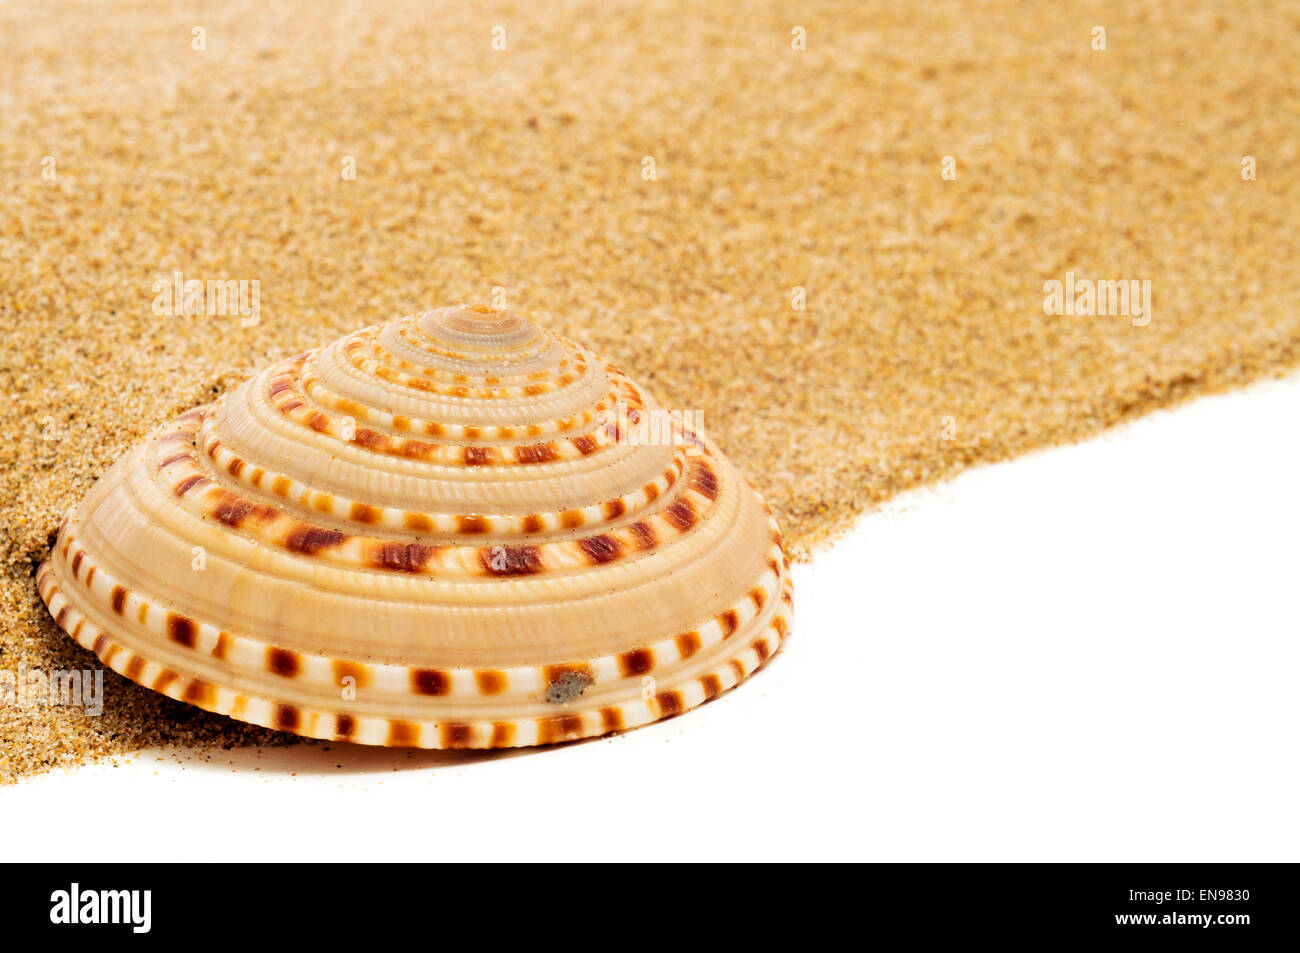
(451, 530)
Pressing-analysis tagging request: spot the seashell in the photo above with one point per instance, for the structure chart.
(452, 530)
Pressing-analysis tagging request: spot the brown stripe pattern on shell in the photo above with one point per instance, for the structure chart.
(436, 532)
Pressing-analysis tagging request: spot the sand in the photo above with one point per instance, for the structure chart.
(126, 154)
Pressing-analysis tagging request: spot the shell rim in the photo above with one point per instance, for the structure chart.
(427, 734)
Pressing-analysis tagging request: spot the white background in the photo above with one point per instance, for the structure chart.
(1088, 653)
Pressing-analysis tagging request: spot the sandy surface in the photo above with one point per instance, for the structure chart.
(126, 155)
